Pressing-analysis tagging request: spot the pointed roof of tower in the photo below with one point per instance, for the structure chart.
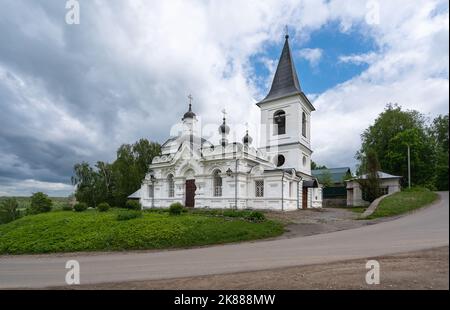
(285, 83)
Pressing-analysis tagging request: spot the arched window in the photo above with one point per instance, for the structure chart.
(280, 160)
(304, 124)
(217, 184)
(170, 186)
(279, 122)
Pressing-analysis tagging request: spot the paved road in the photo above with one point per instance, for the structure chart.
(426, 228)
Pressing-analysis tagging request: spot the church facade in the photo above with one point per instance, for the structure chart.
(276, 175)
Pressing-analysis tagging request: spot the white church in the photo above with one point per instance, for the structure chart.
(275, 175)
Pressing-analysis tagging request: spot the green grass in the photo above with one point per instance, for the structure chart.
(67, 231)
(403, 202)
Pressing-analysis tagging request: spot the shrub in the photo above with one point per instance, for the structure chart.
(126, 215)
(103, 207)
(176, 208)
(255, 216)
(8, 210)
(80, 207)
(40, 203)
(67, 207)
(234, 213)
(133, 205)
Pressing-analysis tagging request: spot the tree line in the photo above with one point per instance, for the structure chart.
(114, 182)
(385, 146)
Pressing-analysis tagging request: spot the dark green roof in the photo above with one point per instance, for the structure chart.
(337, 174)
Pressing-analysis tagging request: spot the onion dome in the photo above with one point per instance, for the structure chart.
(224, 128)
(189, 114)
(247, 139)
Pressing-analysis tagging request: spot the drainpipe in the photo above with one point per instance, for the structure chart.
(235, 184)
(298, 192)
(282, 192)
(152, 179)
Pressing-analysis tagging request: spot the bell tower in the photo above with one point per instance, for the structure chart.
(286, 118)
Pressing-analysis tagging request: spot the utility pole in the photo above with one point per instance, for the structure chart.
(409, 167)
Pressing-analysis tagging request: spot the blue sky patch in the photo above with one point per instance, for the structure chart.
(329, 71)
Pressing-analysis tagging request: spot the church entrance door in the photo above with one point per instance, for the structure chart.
(305, 198)
(190, 193)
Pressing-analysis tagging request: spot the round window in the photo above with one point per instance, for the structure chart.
(280, 160)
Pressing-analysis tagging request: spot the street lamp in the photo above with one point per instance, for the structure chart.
(409, 166)
(229, 172)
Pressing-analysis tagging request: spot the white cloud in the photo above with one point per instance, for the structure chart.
(312, 55)
(77, 92)
(25, 187)
(368, 58)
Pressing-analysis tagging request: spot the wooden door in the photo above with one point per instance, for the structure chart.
(305, 198)
(190, 193)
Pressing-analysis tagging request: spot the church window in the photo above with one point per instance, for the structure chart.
(259, 188)
(304, 161)
(171, 186)
(304, 124)
(217, 184)
(280, 160)
(150, 191)
(279, 121)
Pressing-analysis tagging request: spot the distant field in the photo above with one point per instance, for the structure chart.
(24, 202)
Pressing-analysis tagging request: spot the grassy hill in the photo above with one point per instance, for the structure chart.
(68, 231)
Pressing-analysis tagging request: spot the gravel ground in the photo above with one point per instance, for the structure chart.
(428, 269)
(319, 221)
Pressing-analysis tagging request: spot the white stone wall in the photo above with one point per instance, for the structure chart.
(280, 192)
(293, 145)
(354, 192)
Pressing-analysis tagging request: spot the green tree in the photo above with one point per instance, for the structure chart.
(9, 210)
(84, 180)
(131, 166)
(389, 136)
(40, 203)
(326, 179)
(422, 152)
(440, 135)
(370, 185)
(315, 166)
(113, 183)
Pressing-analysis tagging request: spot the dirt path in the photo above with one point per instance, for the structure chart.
(428, 269)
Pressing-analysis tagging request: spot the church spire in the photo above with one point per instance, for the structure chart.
(285, 81)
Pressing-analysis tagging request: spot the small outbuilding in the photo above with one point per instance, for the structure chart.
(356, 197)
(335, 192)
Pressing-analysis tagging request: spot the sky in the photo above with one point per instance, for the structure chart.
(76, 92)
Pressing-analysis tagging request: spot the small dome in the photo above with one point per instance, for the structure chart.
(247, 139)
(224, 128)
(189, 114)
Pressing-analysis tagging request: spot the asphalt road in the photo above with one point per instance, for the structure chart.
(426, 228)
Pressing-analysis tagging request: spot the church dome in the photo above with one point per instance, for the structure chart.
(189, 114)
(224, 128)
(247, 139)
